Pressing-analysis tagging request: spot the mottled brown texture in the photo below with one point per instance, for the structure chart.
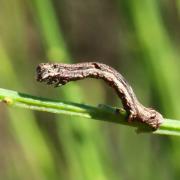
(60, 74)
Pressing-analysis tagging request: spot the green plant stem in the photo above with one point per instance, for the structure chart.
(103, 113)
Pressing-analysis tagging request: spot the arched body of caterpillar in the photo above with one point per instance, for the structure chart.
(59, 74)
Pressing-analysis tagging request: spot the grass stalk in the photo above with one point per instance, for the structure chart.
(104, 113)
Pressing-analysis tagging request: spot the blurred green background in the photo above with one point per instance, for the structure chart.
(140, 39)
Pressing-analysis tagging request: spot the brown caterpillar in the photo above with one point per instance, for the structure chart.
(59, 74)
